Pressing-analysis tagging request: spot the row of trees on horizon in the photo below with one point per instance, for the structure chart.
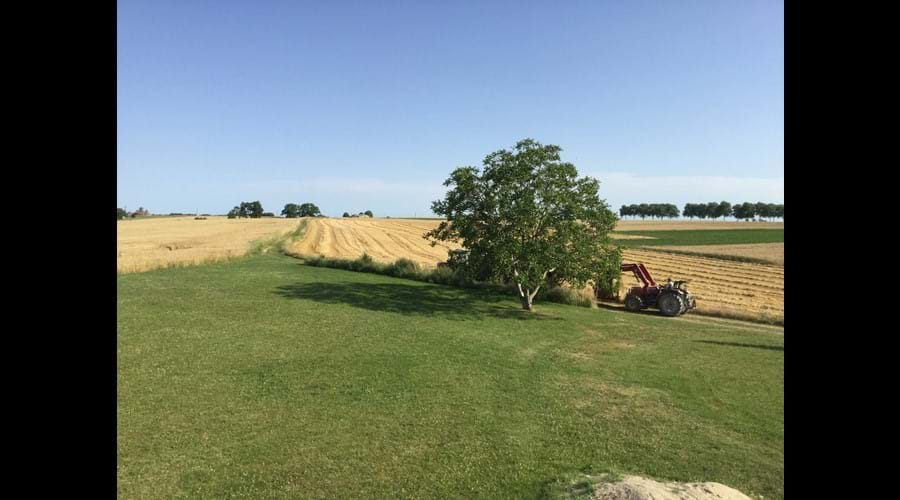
(712, 210)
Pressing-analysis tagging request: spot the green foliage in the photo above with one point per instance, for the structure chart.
(655, 210)
(120, 214)
(565, 295)
(369, 213)
(346, 214)
(745, 211)
(309, 210)
(527, 214)
(608, 274)
(404, 268)
(291, 211)
(251, 209)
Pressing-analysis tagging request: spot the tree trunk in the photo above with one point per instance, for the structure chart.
(526, 302)
(527, 296)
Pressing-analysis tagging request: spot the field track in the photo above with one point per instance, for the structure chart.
(730, 288)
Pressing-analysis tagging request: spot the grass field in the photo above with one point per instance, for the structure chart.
(694, 225)
(690, 237)
(264, 378)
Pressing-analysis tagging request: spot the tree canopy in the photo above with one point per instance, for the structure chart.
(291, 210)
(309, 210)
(251, 209)
(527, 215)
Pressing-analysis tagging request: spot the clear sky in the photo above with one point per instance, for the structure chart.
(368, 105)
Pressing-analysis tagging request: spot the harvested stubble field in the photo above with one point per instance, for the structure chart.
(152, 243)
(770, 253)
(384, 240)
(740, 290)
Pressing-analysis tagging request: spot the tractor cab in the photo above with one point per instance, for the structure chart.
(455, 258)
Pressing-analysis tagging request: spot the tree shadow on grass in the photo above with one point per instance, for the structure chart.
(738, 344)
(424, 300)
(621, 308)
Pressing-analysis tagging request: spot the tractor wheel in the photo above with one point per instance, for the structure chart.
(670, 304)
(684, 304)
(633, 303)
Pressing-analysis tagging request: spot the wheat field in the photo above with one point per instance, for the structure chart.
(152, 243)
(772, 253)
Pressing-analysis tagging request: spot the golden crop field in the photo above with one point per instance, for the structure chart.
(384, 240)
(729, 288)
(145, 244)
(770, 252)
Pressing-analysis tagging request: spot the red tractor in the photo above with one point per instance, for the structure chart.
(671, 299)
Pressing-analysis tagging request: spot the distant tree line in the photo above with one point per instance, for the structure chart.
(293, 210)
(254, 210)
(367, 213)
(248, 209)
(140, 212)
(711, 210)
(652, 210)
(758, 210)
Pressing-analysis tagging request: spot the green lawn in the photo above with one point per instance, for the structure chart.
(264, 378)
(703, 237)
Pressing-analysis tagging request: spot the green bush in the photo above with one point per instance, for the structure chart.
(409, 269)
(404, 268)
(443, 276)
(563, 295)
(608, 275)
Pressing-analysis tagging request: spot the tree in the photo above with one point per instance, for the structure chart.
(252, 209)
(291, 211)
(268, 214)
(369, 213)
(527, 215)
(140, 212)
(120, 214)
(744, 211)
(671, 211)
(723, 210)
(643, 210)
(309, 210)
(345, 215)
(688, 210)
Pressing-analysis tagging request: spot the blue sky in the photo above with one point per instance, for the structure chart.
(357, 105)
